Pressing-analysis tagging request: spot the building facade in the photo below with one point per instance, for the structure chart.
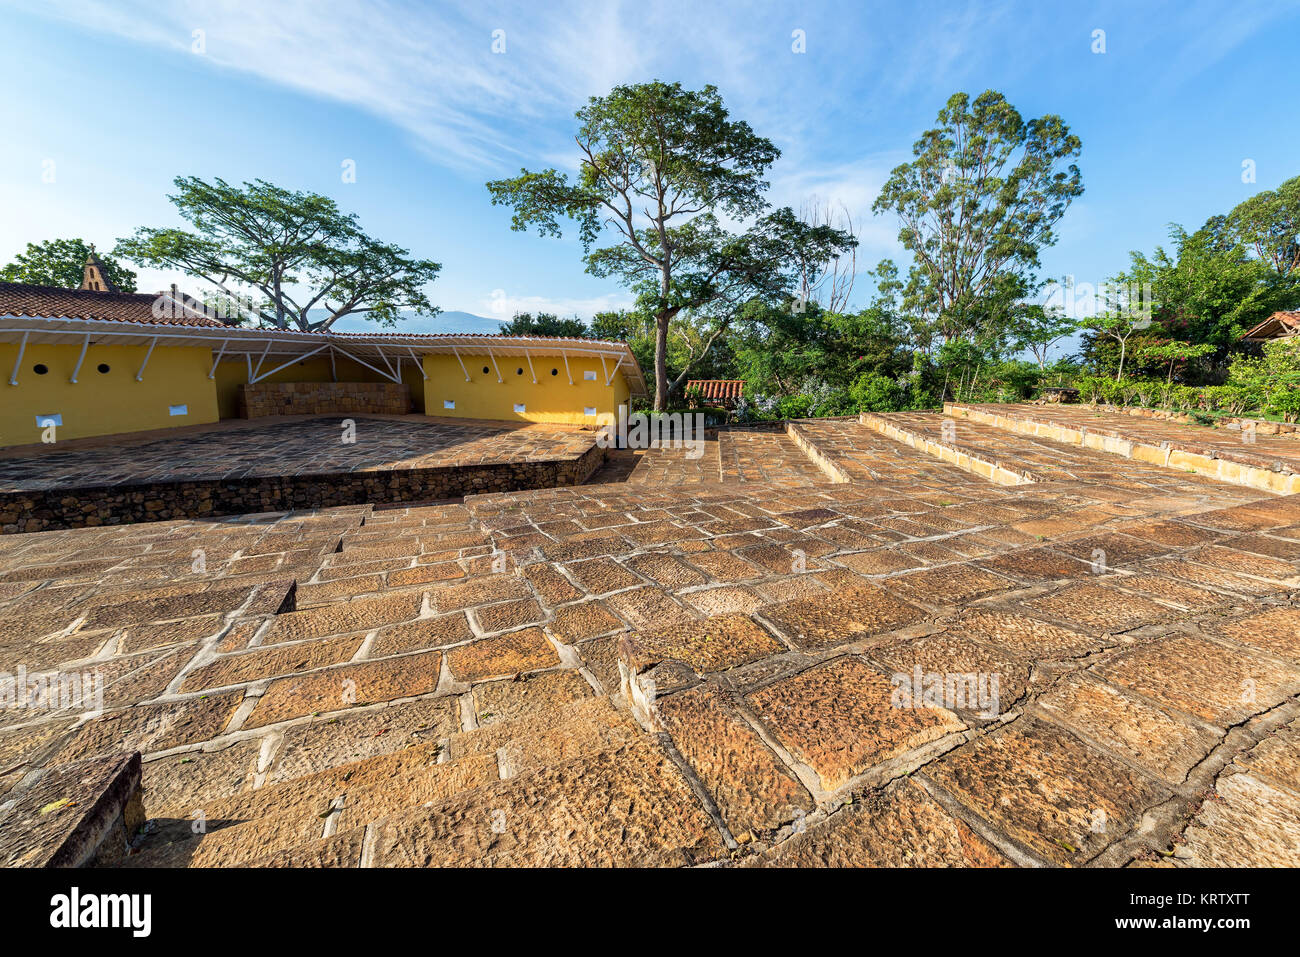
(95, 361)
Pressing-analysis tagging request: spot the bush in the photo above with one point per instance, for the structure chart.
(873, 392)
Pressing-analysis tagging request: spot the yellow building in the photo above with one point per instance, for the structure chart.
(87, 362)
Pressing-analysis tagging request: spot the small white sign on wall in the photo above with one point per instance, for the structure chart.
(588, 410)
(590, 375)
(178, 410)
(45, 421)
(449, 403)
(519, 407)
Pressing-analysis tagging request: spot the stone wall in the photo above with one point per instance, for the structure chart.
(33, 511)
(317, 398)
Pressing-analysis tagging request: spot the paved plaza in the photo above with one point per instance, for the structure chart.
(828, 644)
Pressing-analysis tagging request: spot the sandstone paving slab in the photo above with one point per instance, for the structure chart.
(153, 727)
(359, 614)
(422, 634)
(714, 644)
(508, 699)
(327, 742)
(1214, 682)
(1044, 788)
(64, 818)
(573, 623)
(507, 654)
(270, 663)
(1276, 758)
(841, 719)
(1159, 742)
(972, 679)
(626, 807)
(951, 584)
(1276, 631)
(752, 789)
(1245, 822)
(340, 688)
(1100, 609)
(508, 615)
(846, 616)
(901, 826)
(181, 784)
(647, 607)
(1020, 634)
(1210, 577)
(600, 576)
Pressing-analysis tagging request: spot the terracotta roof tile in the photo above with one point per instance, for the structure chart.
(55, 302)
(718, 390)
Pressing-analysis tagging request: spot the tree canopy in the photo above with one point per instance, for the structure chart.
(61, 262)
(658, 165)
(294, 256)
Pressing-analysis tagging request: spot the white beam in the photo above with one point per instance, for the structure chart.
(220, 352)
(348, 355)
(139, 376)
(566, 366)
(76, 370)
(530, 366)
(285, 365)
(254, 376)
(22, 347)
(609, 378)
(456, 353)
(495, 366)
(418, 364)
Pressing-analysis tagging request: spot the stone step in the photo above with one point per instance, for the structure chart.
(1267, 462)
(627, 805)
(349, 796)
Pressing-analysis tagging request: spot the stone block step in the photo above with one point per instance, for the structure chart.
(350, 796)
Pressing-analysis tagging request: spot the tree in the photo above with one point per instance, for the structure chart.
(1038, 327)
(657, 165)
(981, 198)
(1269, 223)
(1123, 319)
(1173, 352)
(274, 242)
(61, 262)
(545, 324)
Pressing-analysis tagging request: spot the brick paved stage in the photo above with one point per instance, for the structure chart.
(822, 645)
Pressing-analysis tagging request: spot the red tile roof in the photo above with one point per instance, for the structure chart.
(55, 302)
(718, 390)
(1276, 326)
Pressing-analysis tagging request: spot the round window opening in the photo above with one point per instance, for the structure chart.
(555, 372)
(40, 368)
(102, 367)
(485, 370)
(519, 372)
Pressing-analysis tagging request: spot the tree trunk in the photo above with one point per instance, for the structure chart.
(661, 359)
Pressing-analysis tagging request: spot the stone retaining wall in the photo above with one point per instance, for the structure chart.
(32, 511)
(323, 398)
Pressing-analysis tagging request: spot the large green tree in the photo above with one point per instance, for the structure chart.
(1269, 224)
(657, 166)
(545, 324)
(299, 259)
(980, 199)
(61, 262)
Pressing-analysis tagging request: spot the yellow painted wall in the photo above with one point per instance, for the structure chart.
(103, 403)
(234, 373)
(550, 399)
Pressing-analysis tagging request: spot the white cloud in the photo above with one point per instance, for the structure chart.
(501, 305)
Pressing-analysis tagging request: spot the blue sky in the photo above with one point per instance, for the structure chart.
(117, 99)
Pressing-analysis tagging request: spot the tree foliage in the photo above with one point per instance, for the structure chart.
(295, 256)
(61, 262)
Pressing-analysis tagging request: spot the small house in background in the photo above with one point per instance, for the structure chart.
(1277, 326)
(720, 393)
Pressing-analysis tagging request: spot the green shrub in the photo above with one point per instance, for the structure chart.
(873, 392)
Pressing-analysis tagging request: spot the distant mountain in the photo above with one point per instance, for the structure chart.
(450, 321)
